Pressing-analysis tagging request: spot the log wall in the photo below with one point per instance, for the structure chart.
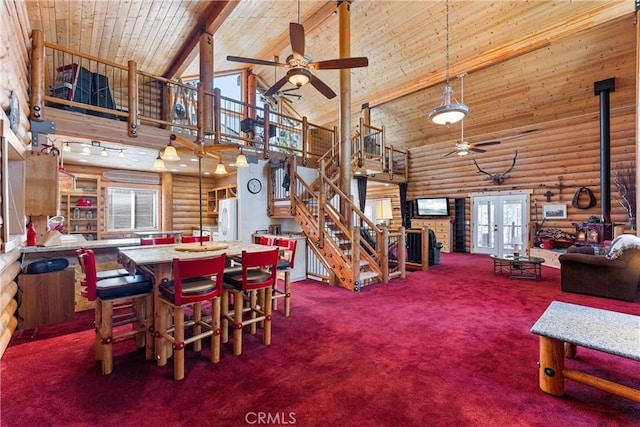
(14, 56)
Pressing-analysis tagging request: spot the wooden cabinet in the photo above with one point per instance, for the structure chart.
(217, 194)
(81, 207)
(440, 226)
(41, 177)
(47, 298)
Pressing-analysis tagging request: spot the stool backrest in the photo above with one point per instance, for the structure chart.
(263, 260)
(267, 240)
(290, 244)
(148, 241)
(88, 261)
(206, 268)
(191, 239)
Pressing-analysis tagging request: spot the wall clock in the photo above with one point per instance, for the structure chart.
(254, 186)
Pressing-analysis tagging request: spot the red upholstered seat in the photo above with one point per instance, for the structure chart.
(258, 274)
(194, 281)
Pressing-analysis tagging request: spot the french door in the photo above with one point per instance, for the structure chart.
(499, 223)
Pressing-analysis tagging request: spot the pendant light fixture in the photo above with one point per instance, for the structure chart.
(220, 169)
(170, 153)
(158, 164)
(449, 111)
(241, 160)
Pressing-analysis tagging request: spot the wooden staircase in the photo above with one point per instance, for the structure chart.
(353, 249)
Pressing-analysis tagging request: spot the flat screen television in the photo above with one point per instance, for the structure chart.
(432, 206)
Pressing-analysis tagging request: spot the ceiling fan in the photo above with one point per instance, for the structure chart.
(300, 65)
(464, 147)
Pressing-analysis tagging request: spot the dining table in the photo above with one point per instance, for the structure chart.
(156, 261)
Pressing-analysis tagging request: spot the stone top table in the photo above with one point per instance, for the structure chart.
(569, 325)
(602, 330)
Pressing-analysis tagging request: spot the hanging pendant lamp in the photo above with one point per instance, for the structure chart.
(450, 111)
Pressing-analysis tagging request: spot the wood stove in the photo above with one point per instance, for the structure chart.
(593, 234)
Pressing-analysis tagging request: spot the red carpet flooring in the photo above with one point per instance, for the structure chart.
(449, 347)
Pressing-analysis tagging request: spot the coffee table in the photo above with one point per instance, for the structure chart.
(520, 267)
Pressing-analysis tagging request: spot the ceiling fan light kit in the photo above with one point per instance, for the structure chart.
(298, 76)
(448, 112)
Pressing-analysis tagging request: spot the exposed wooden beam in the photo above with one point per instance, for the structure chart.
(216, 14)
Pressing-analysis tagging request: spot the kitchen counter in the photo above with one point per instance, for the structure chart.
(77, 244)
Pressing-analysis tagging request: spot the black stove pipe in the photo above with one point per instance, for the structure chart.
(602, 88)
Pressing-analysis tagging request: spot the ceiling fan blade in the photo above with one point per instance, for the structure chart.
(254, 61)
(482, 144)
(521, 134)
(296, 34)
(273, 89)
(322, 87)
(477, 150)
(290, 89)
(450, 153)
(291, 95)
(340, 63)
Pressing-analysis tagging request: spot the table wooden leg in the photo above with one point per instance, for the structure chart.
(238, 302)
(215, 326)
(551, 366)
(224, 333)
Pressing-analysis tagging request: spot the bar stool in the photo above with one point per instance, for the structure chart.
(194, 281)
(119, 301)
(285, 264)
(258, 273)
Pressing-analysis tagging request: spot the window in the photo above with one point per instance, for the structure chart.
(131, 209)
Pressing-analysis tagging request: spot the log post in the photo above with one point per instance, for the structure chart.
(206, 81)
(37, 76)
(133, 99)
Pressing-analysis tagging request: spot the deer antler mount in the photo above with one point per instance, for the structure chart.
(497, 178)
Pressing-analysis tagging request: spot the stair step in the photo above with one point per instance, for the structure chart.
(367, 275)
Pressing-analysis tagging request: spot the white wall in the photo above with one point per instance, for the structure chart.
(252, 208)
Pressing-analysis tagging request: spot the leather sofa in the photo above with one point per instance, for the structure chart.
(614, 275)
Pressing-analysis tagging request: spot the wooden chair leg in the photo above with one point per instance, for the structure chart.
(224, 332)
(97, 321)
(267, 314)
(148, 323)
(138, 306)
(106, 334)
(237, 323)
(197, 328)
(161, 327)
(287, 293)
(215, 327)
(253, 302)
(178, 343)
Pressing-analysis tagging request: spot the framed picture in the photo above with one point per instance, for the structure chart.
(554, 211)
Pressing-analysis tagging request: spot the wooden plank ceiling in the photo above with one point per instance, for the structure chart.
(520, 70)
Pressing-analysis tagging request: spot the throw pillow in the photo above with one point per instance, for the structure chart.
(622, 243)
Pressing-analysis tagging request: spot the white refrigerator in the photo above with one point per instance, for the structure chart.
(228, 219)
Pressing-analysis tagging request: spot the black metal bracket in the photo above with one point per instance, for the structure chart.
(46, 127)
